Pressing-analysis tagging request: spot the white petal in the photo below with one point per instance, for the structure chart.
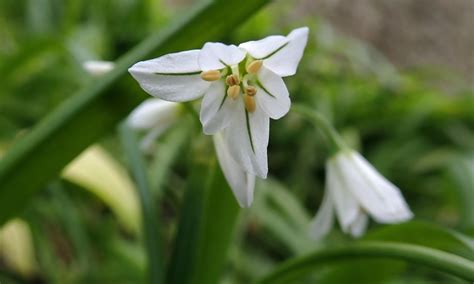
(272, 94)
(241, 183)
(347, 207)
(153, 113)
(264, 47)
(98, 67)
(217, 109)
(359, 225)
(396, 209)
(285, 61)
(216, 55)
(172, 77)
(247, 139)
(381, 199)
(324, 219)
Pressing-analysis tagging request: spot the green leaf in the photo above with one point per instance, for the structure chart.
(149, 212)
(206, 228)
(94, 110)
(414, 232)
(426, 234)
(283, 217)
(98, 172)
(436, 259)
(16, 247)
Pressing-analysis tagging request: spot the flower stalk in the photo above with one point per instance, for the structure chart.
(321, 123)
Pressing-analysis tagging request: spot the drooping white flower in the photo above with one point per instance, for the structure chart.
(242, 89)
(355, 190)
(154, 116)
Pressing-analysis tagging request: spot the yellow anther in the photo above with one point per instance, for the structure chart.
(232, 80)
(249, 103)
(233, 91)
(254, 66)
(211, 75)
(250, 91)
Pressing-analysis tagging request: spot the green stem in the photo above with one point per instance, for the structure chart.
(436, 259)
(149, 212)
(321, 124)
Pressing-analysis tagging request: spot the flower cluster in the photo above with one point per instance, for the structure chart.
(242, 88)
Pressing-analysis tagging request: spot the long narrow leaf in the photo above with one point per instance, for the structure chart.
(442, 261)
(149, 212)
(206, 228)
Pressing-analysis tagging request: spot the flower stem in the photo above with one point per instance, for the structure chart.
(439, 260)
(321, 124)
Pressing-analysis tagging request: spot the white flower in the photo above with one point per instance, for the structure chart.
(354, 190)
(155, 116)
(98, 67)
(242, 89)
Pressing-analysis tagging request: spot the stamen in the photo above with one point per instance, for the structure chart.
(232, 80)
(249, 103)
(233, 91)
(251, 91)
(211, 75)
(254, 66)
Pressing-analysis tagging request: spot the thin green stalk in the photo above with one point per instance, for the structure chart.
(433, 258)
(149, 213)
(321, 124)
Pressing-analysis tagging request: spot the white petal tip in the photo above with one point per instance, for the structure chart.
(245, 203)
(301, 30)
(403, 215)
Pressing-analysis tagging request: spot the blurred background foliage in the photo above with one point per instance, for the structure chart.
(85, 226)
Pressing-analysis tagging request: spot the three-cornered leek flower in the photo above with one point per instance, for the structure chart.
(242, 89)
(354, 190)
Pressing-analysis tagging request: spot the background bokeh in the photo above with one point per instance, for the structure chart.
(395, 77)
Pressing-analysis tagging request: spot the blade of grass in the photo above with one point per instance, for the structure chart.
(94, 110)
(149, 212)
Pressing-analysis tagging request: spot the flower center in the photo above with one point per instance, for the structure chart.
(240, 81)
